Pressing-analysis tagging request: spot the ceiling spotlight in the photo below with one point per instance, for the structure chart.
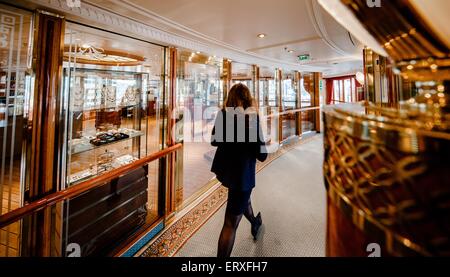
(262, 35)
(291, 51)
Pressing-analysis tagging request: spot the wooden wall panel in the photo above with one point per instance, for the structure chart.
(43, 147)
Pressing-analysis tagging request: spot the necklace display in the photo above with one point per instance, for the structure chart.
(108, 95)
(130, 96)
(77, 98)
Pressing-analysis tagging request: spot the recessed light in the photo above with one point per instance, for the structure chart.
(198, 52)
(262, 35)
(291, 51)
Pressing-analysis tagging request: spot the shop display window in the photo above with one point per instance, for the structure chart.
(112, 90)
(110, 87)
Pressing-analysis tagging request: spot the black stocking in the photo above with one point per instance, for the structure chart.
(228, 234)
(248, 213)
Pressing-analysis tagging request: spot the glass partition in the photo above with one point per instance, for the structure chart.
(199, 97)
(268, 102)
(289, 103)
(307, 101)
(15, 100)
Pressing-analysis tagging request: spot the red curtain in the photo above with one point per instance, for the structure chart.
(330, 88)
(329, 91)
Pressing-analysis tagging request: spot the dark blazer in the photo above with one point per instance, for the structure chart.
(239, 141)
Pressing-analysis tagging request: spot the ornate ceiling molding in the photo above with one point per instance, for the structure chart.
(109, 20)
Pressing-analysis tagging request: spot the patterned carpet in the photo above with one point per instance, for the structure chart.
(291, 196)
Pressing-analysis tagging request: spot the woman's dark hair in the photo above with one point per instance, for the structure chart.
(239, 96)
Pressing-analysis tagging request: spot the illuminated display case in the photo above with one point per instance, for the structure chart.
(111, 93)
(106, 125)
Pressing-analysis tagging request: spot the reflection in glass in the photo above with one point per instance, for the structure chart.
(268, 102)
(307, 98)
(199, 98)
(289, 103)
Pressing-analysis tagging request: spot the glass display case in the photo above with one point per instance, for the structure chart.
(106, 121)
(111, 104)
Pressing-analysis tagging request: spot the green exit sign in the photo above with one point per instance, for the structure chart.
(305, 57)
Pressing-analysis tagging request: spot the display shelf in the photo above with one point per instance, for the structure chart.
(85, 144)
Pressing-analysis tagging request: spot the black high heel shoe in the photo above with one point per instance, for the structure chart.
(256, 226)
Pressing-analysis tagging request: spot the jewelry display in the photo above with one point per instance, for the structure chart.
(123, 160)
(77, 98)
(97, 117)
(82, 175)
(90, 101)
(130, 97)
(108, 97)
(105, 160)
(105, 138)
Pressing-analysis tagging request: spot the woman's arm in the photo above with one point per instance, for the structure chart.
(261, 147)
(217, 138)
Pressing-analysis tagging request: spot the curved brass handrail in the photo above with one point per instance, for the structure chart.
(74, 191)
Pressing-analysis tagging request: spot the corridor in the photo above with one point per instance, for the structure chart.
(291, 196)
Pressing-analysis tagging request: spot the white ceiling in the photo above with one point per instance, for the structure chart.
(299, 25)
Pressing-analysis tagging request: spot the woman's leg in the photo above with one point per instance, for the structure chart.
(248, 213)
(256, 221)
(228, 234)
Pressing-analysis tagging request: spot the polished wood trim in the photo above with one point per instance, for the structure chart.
(172, 104)
(280, 104)
(298, 104)
(48, 59)
(42, 150)
(74, 191)
(226, 78)
(317, 78)
(256, 85)
(170, 189)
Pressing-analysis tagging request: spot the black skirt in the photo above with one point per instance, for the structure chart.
(238, 201)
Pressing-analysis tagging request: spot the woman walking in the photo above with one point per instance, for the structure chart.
(239, 141)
